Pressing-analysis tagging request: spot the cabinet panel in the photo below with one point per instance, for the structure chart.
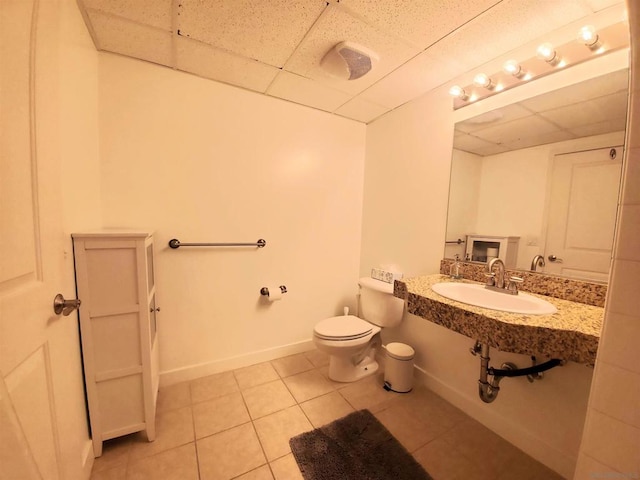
(121, 404)
(116, 342)
(108, 282)
(150, 272)
(153, 320)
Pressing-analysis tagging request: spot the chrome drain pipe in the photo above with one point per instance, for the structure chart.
(489, 389)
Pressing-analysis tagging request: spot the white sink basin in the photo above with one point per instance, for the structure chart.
(482, 297)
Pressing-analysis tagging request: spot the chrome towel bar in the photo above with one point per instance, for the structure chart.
(175, 243)
(458, 241)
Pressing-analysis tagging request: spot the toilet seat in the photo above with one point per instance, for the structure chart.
(342, 328)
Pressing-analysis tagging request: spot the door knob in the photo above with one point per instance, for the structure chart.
(65, 307)
(553, 258)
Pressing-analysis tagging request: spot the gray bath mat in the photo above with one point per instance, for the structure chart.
(356, 447)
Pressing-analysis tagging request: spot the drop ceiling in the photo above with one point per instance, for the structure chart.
(275, 47)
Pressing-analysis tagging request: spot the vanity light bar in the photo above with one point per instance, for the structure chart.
(546, 61)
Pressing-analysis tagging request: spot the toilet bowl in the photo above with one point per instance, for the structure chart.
(351, 341)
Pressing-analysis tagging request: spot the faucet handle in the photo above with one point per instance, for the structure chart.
(513, 284)
(491, 278)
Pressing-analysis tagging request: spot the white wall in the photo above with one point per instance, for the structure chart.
(406, 187)
(205, 162)
(405, 207)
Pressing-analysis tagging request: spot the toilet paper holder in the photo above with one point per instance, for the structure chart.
(265, 290)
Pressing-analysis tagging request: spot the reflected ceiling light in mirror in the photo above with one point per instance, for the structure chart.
(547, 53)
(458, 92)
(589, 37)
(482, 80)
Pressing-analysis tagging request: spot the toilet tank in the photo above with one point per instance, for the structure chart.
(377, 303)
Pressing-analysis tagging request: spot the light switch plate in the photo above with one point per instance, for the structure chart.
(384, 276)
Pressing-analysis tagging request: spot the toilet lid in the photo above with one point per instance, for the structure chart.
(343, 327)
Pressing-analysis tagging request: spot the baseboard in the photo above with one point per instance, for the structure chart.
(521, 438)
(192, 372)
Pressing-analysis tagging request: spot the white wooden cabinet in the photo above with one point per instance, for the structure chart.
(115, 281)
(481, 248)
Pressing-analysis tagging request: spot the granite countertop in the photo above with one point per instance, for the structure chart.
(572, 333)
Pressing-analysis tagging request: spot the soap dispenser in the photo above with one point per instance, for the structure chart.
(456, 269)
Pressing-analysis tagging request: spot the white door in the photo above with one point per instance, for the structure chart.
(582, 213)
(31, 255)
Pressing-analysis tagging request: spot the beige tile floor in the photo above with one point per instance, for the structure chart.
(237, 425)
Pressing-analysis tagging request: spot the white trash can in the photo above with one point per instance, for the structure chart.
(398, 368)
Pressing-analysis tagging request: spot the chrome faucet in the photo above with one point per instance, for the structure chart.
(538, 261)
(495, 280)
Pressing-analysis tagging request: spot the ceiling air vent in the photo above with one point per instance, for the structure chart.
(348, 61)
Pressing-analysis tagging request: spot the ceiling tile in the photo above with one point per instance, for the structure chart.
(597, 110)
(307, 92)
(516, 130)
(509, 25)
(421, 22)
(493, 118)
(597, 5)
(469, 143)
(608, 126)
(336, 26)
(419, 75)
(491, 149)
(593, 88)
(209, 62)
(362, 110)
(156, 13)
(117, 35)
(540, 139)
(265, 31)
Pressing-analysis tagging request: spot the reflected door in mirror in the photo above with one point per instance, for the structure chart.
(582, 213)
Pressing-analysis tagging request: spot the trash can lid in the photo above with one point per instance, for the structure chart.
(400, 351)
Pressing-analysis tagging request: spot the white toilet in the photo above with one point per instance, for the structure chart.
(350, 341)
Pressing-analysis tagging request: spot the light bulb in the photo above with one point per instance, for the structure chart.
(589, 37)
(482, 80)
(512, 67)
(547, 53)
(458, 92)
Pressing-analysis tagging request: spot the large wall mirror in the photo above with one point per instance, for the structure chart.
(541, 177)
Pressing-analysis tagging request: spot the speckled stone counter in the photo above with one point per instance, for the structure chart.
(591, 293)
(572, 333)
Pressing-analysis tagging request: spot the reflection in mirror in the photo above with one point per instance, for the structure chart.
(541, 177)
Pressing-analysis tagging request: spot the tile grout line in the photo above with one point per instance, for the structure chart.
(193, 425)
(255, 430)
